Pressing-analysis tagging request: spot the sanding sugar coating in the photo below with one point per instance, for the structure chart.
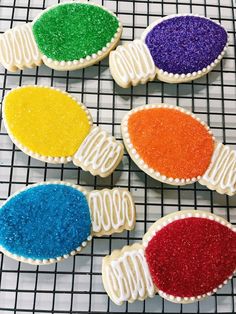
(45, 221)
(46, 121)
(74, 30)
(190, 257)
(171, 142)
(185, 44)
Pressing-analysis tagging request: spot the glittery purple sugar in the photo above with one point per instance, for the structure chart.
(185, 44)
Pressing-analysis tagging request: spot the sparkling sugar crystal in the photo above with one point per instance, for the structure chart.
(185, 44)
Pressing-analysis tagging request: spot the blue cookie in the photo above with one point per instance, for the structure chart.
(48, 222)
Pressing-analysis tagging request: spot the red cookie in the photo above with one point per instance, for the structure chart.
(185, 257)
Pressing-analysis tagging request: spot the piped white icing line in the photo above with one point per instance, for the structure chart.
(99, 153)
(48, 159)
(137, 158)
(127, 278)
(132, 63)
(89, 59)
(18, 48)
(111, 211)
(50, 260)
(180, 77)
(162, 223)
(221, 174)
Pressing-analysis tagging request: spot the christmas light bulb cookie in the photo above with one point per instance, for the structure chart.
(66, 36)
(50, 125)
(49, 221)
(174, 146)
(184, 257)
(173, 49)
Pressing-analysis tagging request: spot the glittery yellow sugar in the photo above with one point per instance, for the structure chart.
(46, 121)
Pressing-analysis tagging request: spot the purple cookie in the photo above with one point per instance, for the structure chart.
(185, 44)
(174, 49)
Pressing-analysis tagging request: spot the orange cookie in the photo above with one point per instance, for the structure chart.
(173, 146)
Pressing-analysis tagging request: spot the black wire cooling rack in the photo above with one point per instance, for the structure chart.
(75, 286)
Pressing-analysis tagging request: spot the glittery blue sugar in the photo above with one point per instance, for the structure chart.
(45, 221)
(185, 44)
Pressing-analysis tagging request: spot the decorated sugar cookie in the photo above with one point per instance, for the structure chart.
(174, 49)
(66, 36)
(49, 221)
(50, 125)
(184, 257)
(174, 146)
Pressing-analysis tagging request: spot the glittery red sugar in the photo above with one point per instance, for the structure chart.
(191, 256)
(171, 142)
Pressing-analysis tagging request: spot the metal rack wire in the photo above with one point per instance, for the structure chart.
(75, 286)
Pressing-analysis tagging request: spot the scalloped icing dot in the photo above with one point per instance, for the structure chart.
(46, 121)
(186, 44)
(190, 257)
(74, 30)
(53, 219)
(171, 142)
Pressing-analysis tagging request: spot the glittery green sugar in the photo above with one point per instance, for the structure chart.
(75, 30)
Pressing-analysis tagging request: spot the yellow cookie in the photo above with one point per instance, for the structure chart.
(50, 125)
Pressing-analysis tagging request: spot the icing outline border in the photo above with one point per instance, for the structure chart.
(185, 214)
(58, 258)
(82, 62)
(140, 162)
(192, 75)
(24, 149)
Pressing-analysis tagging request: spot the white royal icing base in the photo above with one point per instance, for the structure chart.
(111, 211)
(50, 260)
(132, 63)
(221, 174)
(99, 153)
(48, 159)
(18, 48)
(88, 60)
(126, 275)
(184, 214)
(140, 162)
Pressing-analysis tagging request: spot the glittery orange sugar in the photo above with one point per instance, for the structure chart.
(171, 142)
